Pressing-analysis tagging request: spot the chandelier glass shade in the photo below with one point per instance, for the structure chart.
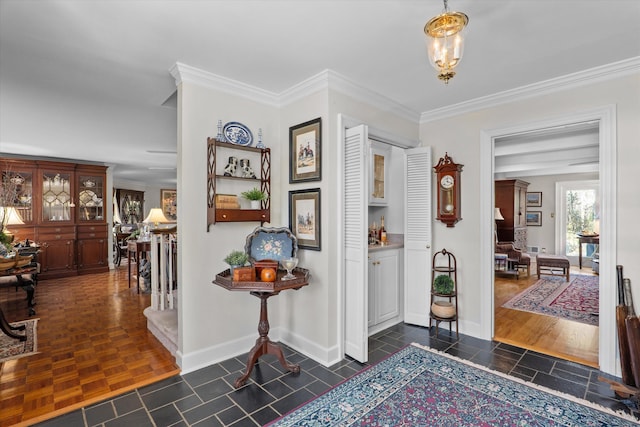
(445, 41)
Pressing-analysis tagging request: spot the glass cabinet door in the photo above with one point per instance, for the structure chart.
(17, 191)
(131, 206)
(56, 196)
(379, 173)
(90, 198)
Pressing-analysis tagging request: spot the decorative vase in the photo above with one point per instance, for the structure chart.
(255, 204)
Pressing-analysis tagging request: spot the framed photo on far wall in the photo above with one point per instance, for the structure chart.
(534, 199)
(304, 217)
(305, 159)
(169, 202)
(534, 218)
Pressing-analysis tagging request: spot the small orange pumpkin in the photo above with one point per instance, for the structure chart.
(268, 275)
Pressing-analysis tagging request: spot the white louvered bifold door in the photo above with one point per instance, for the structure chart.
(355, 243)
(417, 237)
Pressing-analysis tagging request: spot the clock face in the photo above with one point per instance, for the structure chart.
(446, 181)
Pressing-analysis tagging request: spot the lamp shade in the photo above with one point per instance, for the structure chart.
(498, 215)
(155, 217)
(10, 216)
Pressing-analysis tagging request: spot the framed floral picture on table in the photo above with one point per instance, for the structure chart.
(304, 217)
(169, 201)
(305, 161)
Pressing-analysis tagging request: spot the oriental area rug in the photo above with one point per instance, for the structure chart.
(11, 348)
(419, 386)
(575, 300)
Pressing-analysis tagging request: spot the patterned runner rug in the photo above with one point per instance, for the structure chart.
(575, 300)
(13, 349)
(421, 387)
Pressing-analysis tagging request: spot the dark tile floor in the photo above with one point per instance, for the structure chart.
(207, 398)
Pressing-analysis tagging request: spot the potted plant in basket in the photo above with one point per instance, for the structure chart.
(236, 259)
(255, 196)
(443, 285)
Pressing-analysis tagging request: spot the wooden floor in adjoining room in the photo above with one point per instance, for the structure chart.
(93, 344)
(557, 337)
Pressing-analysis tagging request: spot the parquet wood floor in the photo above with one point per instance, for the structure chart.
(557, 337)
(93, 344)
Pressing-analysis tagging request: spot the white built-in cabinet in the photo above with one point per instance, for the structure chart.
(415, 260)
(385, 279)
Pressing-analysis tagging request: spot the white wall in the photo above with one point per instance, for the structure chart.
(214, 324)
(461, 136)
(544, 236)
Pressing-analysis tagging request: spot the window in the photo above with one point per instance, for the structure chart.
(578, 212)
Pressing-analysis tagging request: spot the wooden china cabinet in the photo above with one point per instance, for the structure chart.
(63, 208)
(511, 198)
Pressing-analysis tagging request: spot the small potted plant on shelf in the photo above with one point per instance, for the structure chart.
(255, 196)
(443, 285)
(236, 259)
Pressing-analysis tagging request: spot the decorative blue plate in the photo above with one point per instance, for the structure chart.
(237, 133)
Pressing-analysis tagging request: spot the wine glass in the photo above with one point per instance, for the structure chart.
(289, 264)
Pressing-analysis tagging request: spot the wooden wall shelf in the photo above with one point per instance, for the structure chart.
(214, 214)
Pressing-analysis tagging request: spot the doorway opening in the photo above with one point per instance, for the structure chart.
(605, 119)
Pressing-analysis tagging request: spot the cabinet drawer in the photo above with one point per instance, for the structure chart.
(57, 233)
(52, 237)
(92, 232)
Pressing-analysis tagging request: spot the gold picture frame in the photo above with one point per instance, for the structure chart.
(169, 203)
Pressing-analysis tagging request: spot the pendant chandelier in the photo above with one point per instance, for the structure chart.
(445, 41)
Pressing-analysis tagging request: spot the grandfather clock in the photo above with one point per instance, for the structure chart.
(448, 181)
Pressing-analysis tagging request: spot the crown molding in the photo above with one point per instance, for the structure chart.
(326, 79)
(329, 79)
(569, 81)
(186, 73)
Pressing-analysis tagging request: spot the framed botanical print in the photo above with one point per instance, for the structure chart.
(304, 217)
(169, 201)
(305, 159)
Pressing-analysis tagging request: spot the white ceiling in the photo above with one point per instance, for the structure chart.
(88, 79)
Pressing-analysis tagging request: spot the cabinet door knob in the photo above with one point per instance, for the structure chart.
(224, 216)
(428, 246)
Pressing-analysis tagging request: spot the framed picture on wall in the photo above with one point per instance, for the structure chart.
(305, 159)
(304, 217)
(534, 199)
(169, 201)
(534, 218)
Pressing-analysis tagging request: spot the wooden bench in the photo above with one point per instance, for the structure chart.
(549, 264)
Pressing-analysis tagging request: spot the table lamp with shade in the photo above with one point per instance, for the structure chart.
(497, 216)
(9, 216)
(155, 217)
